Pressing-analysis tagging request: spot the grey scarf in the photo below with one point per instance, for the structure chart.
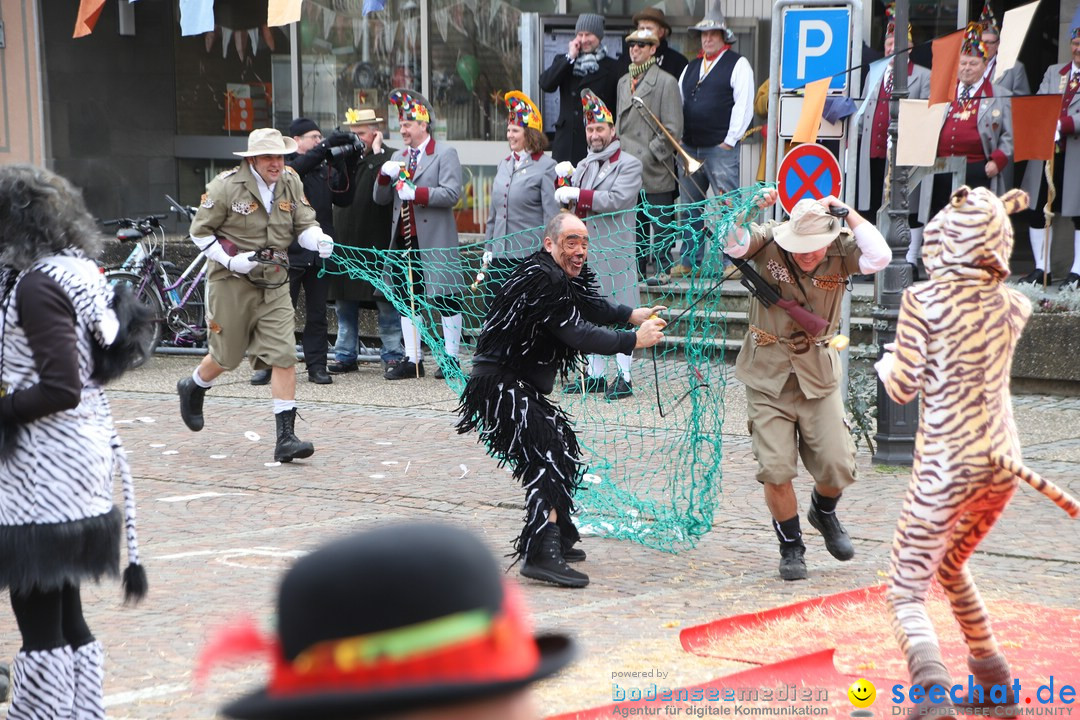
(589, 168)
(588, 63)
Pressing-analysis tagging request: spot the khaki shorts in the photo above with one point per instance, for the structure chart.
(246, 319)
(789, 426)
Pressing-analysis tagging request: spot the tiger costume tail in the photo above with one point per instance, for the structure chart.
(1062, 499)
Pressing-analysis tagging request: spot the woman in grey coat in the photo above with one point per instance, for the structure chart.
(522, 194)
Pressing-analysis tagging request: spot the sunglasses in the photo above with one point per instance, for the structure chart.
(637, 44)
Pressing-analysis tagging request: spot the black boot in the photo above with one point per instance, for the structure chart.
(792, 564)
(289, 447)
(548, 563)
(825, 522)
(191, 403)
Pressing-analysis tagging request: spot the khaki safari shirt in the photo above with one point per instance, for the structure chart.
(764, 364)
(232, 208)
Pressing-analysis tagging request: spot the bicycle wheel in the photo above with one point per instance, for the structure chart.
(187, 321)
(147, 293)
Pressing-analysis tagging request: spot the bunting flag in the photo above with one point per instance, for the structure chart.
(371, 6)
(943, 70)
(873, 77)
(196, 17)
(1014, 29)
(89, 12)
(282, 12)
(917, 127)
(806, 130)
(1034, 123)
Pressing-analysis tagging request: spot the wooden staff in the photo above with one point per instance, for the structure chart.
(1048, 214)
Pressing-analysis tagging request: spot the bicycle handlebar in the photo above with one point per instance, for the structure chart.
(150, 221)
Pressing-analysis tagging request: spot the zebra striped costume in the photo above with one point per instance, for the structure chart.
(954, 345)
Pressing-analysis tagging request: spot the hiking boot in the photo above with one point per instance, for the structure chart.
(837, 541)
(792, 564)
(191, 403)
(260, 377)
(289, 447)
(405, 369)
(587, 385)
(619, 389)
(573, 554)
(548, 563)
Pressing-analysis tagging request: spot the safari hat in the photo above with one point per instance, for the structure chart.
(643, 36)
(810, 228)
(268, 141)
(363, 116)
(391, 620)
(654, 14)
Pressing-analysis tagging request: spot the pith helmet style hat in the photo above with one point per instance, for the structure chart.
(595, 109)
(810, 228)
(392, 620)
(643, 36)
(268, 141)
(654, 14)
(523, 111)
(363, 116)
(411, 105)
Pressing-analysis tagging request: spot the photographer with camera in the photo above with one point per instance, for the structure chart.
(325, 167)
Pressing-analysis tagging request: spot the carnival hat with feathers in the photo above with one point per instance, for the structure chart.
(523, 111)
(411, 105)
(595, 109)
(973, 42)
(987, 19)
(890, 22)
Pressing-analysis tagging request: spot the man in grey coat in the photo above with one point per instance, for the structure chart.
(1064, 79)
(423, 181)
(606, 181)
(643, 90)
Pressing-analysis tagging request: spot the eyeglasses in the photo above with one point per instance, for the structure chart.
(635, 43)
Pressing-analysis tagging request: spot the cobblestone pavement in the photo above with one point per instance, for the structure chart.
(218, 525)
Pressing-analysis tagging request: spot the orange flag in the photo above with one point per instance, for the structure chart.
(89, 12)
(810, 118)
(1034, 122)
(946, 63)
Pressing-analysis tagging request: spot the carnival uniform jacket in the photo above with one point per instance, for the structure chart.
(363, 224)
(764, 364)
(569, 143)
(918, 89)
(637, 132)
(438, 188)
(522, 198)
(612, 240)
(1053, 82)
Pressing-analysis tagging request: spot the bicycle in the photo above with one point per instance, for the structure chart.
(178, 305)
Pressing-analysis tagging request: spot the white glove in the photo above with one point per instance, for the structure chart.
(391, 168)
(884, 366)
(326, 247)
(242, 264)
(406, 192)
(315, 239)
(486, 258)
(1057, 132)
(564, 169)
(567, 195)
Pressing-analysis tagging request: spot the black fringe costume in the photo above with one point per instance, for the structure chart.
(539, 324)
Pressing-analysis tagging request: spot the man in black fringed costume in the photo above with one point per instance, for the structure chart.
(543, 319)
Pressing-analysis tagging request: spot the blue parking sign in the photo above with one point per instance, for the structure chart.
(815, 44)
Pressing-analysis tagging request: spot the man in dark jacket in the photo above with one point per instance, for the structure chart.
(364, 224)
(585, 65)
(326, 176)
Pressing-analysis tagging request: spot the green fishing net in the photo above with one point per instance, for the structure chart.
(653, 459)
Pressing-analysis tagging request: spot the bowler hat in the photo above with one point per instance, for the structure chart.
(654, 14)
(268, 141)
(395, 619)
(810, 228)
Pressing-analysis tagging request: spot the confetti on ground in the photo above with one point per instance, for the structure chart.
(253, 436)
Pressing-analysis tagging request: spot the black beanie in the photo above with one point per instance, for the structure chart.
(302, 126)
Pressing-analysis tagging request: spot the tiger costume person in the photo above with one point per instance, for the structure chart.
(954, 344)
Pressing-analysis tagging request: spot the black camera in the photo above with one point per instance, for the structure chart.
(344, 145)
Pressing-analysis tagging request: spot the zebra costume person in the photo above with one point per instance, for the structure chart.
(63, 334)
(540, 322)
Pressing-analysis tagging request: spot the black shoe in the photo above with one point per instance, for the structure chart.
(289, 447)
(914, 272)
(588, 385)
(1071, 281)
(340, 368)
(1035, 277)
(573, 554)
(261, 377)
(454, 369)
(792, 564)
(319, 376)
(619, 389)
(404, 369)
(191, 403)
(548, 563)
(837, 541)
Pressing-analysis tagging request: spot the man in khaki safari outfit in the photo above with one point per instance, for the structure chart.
(258, 206)
(792, 379)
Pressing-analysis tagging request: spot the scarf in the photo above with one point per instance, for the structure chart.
(587, 169)
(636, 70)
(588, 63)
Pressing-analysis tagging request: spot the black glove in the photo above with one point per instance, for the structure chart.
(339, 138)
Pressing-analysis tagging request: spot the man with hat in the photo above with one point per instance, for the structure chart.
(607, 181)
(441, 635)
(585, 65)
(717, 95)
(1015, 79)
(325, 175)
(425, 228)
(792, 378)
(643, 90)
(668, 58)
(1059, 79)
(248, 218)
(364, 224)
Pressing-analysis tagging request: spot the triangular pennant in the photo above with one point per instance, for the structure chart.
(89, 12)
(943, 71)
(1034, 123)
(329, 17)
(226, 38)
(806, 130)
(442, 21)
(253, 41)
